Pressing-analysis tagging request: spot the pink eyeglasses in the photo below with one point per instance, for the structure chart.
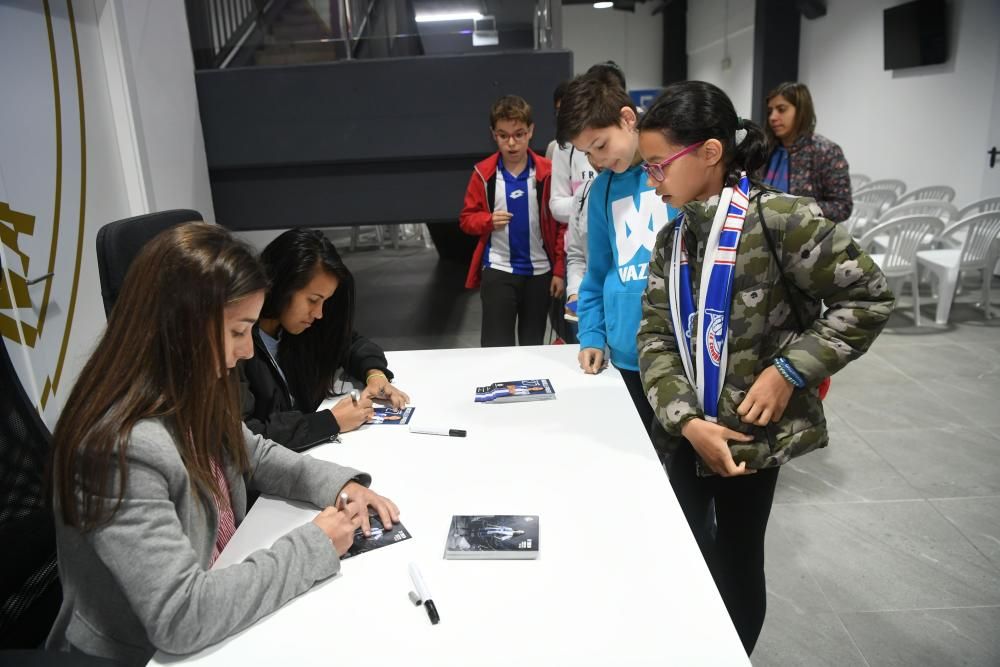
(656, 170)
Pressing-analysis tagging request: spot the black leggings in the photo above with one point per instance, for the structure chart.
(513, 302)
(634, 384)
(735, 555)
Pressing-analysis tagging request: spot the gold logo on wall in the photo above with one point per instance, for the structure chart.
(43, 185)
(15, 293)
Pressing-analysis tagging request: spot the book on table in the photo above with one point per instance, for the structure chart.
(380, 536)
(390, 416)
(510, 391)
(492, 536)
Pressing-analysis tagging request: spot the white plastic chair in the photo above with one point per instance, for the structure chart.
(936, 207)
(939, 209)
(938, 192)
(858, 180)
(882, 198)
(978, 252)
(862, 215)
(902, 238)
(981, 206)
(894, 184)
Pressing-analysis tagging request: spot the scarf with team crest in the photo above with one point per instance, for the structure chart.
(702, 333)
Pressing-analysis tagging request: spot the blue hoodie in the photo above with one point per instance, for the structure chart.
(624, 216)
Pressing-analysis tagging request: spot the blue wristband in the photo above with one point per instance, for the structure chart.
(789, 373)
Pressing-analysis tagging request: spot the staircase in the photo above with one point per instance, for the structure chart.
(298, 35)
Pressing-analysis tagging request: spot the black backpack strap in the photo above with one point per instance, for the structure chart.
(583, 197)
(790, 288)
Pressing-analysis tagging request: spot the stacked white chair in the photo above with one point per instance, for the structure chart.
(894, 184)
(936, 207)
(980, 206)
(939, 209)
(977, 252)
(902, 238)
(859, 180)
(882, 198)
(934, 192)
(862, 215)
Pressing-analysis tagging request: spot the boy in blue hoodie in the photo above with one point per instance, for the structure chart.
(624, 216)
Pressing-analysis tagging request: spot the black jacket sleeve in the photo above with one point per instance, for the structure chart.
(267, 410)
(364, 355)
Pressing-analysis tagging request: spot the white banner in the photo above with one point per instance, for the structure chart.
(42, 191)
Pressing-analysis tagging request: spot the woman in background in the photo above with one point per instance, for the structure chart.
(802, 162)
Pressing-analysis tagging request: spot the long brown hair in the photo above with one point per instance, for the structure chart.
(798, 96)
(161, 356)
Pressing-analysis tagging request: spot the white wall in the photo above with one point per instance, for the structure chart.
(930, 125)
(633, 40)
(134, 145)
(715, 27)
(162, 66)
(991, 177)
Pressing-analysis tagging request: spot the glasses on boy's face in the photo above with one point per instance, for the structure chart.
(656, 170)
(518, 136)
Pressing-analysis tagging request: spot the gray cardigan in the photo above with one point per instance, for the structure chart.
(141, 581)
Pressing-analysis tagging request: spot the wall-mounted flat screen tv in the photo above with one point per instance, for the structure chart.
(916, 34)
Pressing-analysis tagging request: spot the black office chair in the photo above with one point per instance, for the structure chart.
(30, 593)
(119, 242)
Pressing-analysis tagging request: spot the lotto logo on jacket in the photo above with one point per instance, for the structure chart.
(635, 230)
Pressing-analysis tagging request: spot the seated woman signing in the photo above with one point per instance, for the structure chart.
(306, 349)
(151, 467)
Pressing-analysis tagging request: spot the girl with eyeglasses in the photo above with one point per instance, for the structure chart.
(151, 467)
(623, 217)
(734, 344)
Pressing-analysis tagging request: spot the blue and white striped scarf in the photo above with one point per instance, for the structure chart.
(711, 319)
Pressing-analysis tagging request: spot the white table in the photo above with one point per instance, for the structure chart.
(619, 579)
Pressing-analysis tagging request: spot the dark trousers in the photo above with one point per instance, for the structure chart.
(735, 555)
(512, 303)
(634, 384)
(562, 328)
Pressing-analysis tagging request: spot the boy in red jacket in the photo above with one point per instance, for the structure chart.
(519, 262)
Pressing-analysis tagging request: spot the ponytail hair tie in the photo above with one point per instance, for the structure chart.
(741, 134)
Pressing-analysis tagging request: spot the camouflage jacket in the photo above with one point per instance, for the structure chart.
(823, 263)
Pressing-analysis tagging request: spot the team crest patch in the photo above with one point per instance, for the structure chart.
(716, 340)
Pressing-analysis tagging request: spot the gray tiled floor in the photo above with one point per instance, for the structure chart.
(884, 548)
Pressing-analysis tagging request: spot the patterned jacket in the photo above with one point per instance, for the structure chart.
(822, 262)
(817, 168)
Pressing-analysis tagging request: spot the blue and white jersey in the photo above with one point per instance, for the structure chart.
(517, 248)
